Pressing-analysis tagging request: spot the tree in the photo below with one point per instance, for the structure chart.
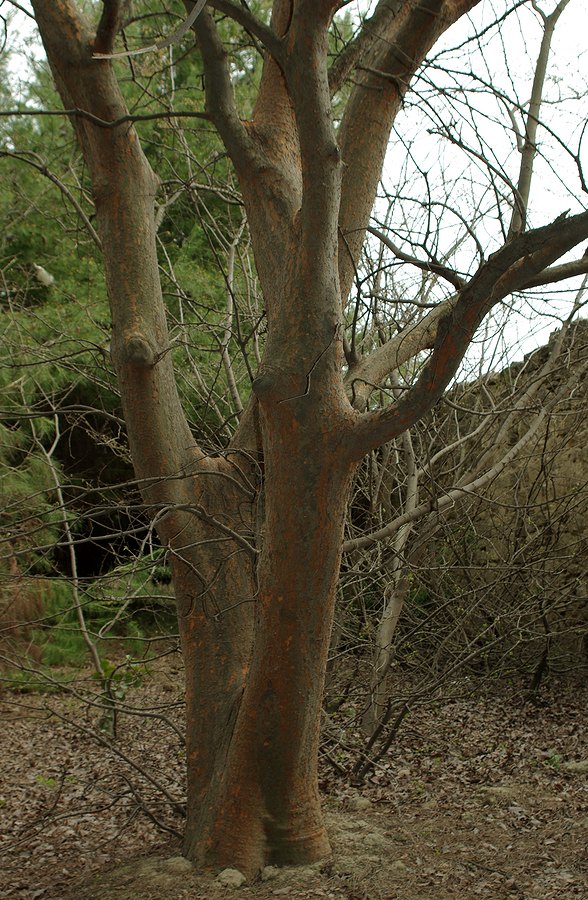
(254, 532)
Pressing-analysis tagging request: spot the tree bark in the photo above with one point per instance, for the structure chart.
(262, 804)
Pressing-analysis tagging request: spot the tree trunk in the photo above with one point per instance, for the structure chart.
(261, 806)
(214, 584)
(394, 599)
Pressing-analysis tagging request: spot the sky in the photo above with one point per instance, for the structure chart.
(508, 61)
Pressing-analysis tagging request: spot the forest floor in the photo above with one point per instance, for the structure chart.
(477, 797)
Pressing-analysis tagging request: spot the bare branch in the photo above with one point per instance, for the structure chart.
(241, 14)
(111, 22)
(42, 168)
(109, 32)
(448, 500)
(77, 113)
(413, 339)
(404, 38)
(436, 268)
(362, 45)
(220, 100)
(505, 271)
(559, 273)
(418, 336)
(529, 149)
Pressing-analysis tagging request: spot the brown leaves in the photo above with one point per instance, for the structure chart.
(478, 797)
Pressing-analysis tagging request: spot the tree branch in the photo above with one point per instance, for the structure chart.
(362, 45)
(244, 17)
(371, 371)
(507, 270)
(220, 99)
(77, 113)
(558, 273)
(529, 149)
(471, 487)
(436, 268)
(403, 33)
(439, 504)
(414, 338)
(110, 24)
(124, 187)
(42, 168)
(176, 36)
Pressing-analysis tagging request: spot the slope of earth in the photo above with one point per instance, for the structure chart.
(503, 570)
(482, 797)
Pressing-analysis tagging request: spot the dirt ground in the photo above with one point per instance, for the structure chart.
(476, 798)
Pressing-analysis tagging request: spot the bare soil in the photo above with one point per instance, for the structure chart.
(476, 798)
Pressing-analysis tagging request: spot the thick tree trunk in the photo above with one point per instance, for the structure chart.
(261, 805)
(214, 584)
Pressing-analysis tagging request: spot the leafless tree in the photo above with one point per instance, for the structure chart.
(254, 532)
